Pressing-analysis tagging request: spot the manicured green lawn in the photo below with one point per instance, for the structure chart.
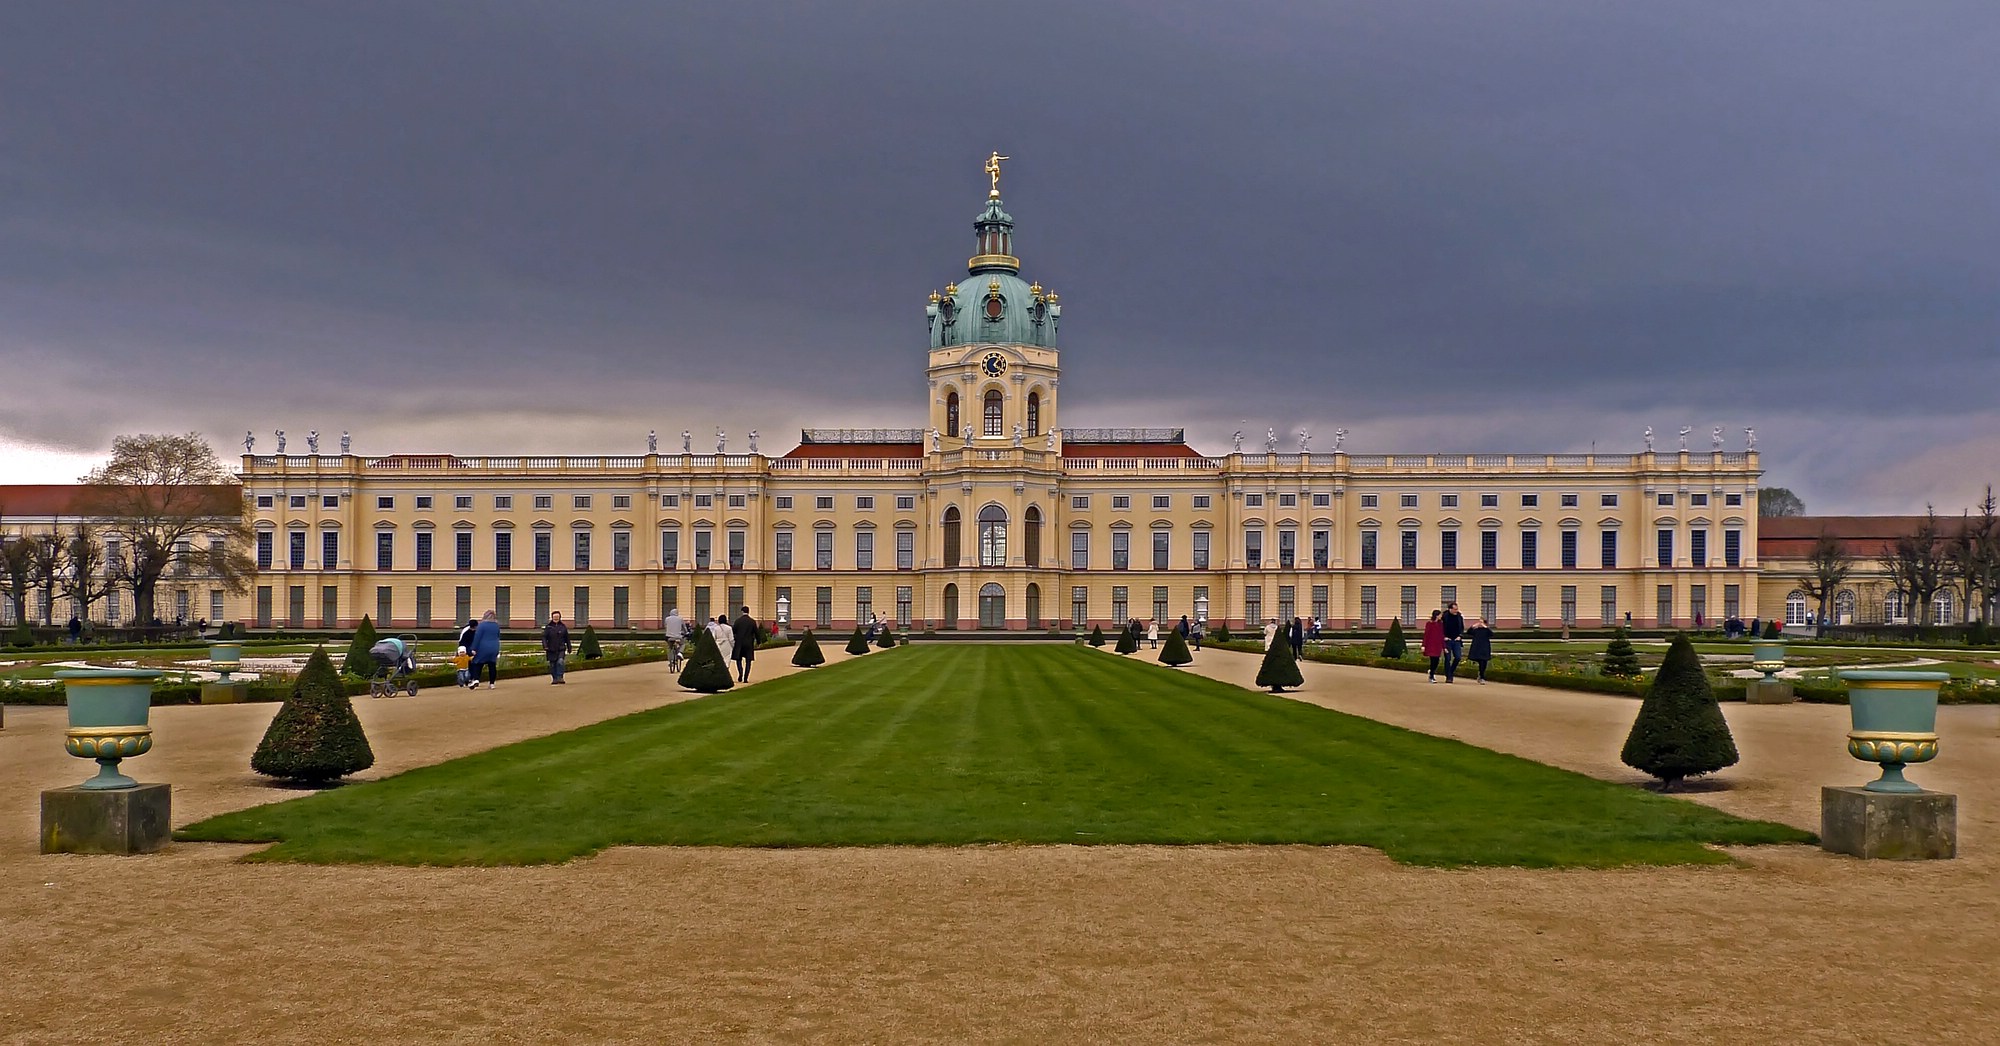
(990, 744)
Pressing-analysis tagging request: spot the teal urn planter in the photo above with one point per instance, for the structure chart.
(225, 658)
(1768, 657)
(110, 715)
(1894, 719)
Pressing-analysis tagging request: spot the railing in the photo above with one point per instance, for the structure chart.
(1142, 464)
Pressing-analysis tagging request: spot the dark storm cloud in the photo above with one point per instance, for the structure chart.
(1458, 226)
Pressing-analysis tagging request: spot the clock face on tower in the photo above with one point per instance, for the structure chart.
(994, 364)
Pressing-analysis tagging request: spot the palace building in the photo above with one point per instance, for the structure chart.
(993, 515)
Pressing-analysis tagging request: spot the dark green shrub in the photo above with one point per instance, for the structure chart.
(1620, 659)
(1127, 641)
(315, 737)
(1394, 645)
(858, 642)
(228, 630)
(887, 640)
(1771, 629)
(704, 671)
(1280, 669)
(1174, 652)
(23, 636)
(807, 655)
(1096, 635)
(588, 648)
(1221, 634)
(357, 662)
(1680, 731)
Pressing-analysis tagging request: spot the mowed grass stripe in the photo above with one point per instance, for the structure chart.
(978, 744)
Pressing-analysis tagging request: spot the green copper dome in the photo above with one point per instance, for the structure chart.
(992, 303)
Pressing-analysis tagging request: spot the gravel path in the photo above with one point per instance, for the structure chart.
(1009, 944)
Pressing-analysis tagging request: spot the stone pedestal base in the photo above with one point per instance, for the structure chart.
(224, 693)
(78, 820)
(1769, 692)
(1907, 826)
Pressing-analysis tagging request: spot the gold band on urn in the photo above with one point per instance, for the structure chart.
(108, 742)
(1884, 746)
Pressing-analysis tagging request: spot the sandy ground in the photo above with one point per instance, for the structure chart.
(1001, 944)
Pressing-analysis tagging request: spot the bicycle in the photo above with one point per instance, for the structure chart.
(674, 658)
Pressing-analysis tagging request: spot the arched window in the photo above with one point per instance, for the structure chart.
(951, 414)
(950, 607)
(1895, 608)
(1031, 523)
(1843, 607)
(1943, 608)
(1034, 599)
(993, 536)
(951, 536)
(1034, 413)
(992, 412)
(1795, 608)
(992, 606)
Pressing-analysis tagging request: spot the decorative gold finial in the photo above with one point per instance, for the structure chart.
(935, 297)
(993, 172)
(993, 285)
(1035, 288)
(951, 290)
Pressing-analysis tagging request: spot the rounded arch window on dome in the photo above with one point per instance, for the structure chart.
(993, 536)
(991, 412)
(951, 413)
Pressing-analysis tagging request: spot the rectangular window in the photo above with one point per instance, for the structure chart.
(1079, 606)
(1732, 500)
(1253, 501)
(1163, 501)
(1368, 543)
(1121, 550)
(1079, 550)
(1368, 611)
(906, 550)
(906, 502)
(864, 503)
(329, 606)
(1732, 548)
(464, 603)
(1569, 550)
(702, 604)
(1666, 549)
(903, 610)
(1531, 500)
(1571, 500)
(1489, 501)
(582, 604)
(215, 608)
(1607, 549)
(503, 604)
(1160, 604)
(297, 549)
(1322, 500)
(784, 550)
(1530, 616)
(1698, 547)
(823, 606)
(295, 606)
(823, 503)
(1447, 595)
(623, 501)
(580, 501)
(708, 501)
(1530, 549)
(1569, 605)
(424, 538)
(1288, 549)
(1322, 542)
(462, 502)
(1607, 604)
(621, 550)
(1371, 501)
(1409, 550)
(1607, 501)
(1200, 540)
(1201, 501)
(1665, 611)
(384, 602)
(1253, 605)
(782, 502)
(329, 501)
(1160, 549)
(296, 501)
(544, 557)
(423, 606)
(1253, 548)
(503, 502)
(704, 548)
(1698, 500)
(1664, 499)
(1409, 501)
(823, 550)
(541, 605)
(1288, 501)
(670, 597)
(1448, 549)
(1080, 502)
(1121, 501)
(1489, 603)
(462, 550)
(1409, 610)
(1698, 604)
(503, 550)
(264, 501)
(621, 606)
(670, 548)
(543, 502)
(737, 540)
(383, 502)
(582, 541)
(1447, 501)
(1288, 600)
(864, 550)
(263, 550)
(1319, 602)
(385, 550)
(1732, 600)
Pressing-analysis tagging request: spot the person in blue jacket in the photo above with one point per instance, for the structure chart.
(486, 650)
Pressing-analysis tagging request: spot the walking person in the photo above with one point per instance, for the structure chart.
(1182, 628)
(1200, 630)
(744, 634)
(1434, 641)
(1298, 638)
(486, 650)
(75, 630)
(725, 637)
(1454, 641)
(1481, 635)
(677, 632)
(1270, 631)
(1153, 634)
(465, 636)
(555, 647)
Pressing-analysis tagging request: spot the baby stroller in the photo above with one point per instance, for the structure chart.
(395, 665)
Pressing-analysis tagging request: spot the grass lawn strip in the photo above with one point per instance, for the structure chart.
(981, 744)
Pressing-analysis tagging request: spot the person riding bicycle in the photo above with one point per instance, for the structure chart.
(677, 633)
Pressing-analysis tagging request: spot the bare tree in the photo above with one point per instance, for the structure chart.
(1919, 565)
(84, 578)
(45, 564)
(1975, 558)
(170, 504)
(18, 567)
(1779, 501)
(1827, 568)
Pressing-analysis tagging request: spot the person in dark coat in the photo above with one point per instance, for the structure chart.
(745, 650)
(1297, 637)
(486, 650)
(1183, 629)
(75, 630)
(1481, 646)
(1434, 641)
(1454, 640)
(555, 646)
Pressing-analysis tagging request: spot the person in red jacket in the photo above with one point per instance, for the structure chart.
(1434, 641)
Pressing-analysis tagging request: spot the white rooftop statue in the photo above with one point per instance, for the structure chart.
(1305, 442)
(1238, 440)
(281, 441)
(346, 443)
(312, 441)
(1270, 441)
(937, 439)
(1052, 439)
(687, 442)
(753, 442)
(1017, 433)
(249, 442)
(1685, 429)
(652, 441)
(1715, 438)
(1649, 439)
(1750, 439)
(1339, 437)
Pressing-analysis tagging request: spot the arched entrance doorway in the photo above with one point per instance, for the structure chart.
(992, 606)
(950, 607)
(1034, 598)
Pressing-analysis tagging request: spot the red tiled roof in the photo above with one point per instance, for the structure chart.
(856, 450)
(1866, 537)
(37, 499)
(1129, 450)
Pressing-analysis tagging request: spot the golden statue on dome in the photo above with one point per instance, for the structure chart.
(993, 172)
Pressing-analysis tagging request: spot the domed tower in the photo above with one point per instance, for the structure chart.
(993, 359)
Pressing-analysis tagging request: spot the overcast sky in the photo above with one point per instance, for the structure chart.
(509, 226)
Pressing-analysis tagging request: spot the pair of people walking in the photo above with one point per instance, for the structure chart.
(736, 640)
(1445, 635)
(479, 643)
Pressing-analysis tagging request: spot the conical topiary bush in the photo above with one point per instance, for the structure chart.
(358, 662)
(1127, 641)
(887, 640)
(1620, 659)
(315, 737)
(1280, 669)
(588, 648)
(807, 654)
(1680, 731)
(1394, 646)
(858, 642)
(704, 671)
(1096, 635)
(1221, 634)
(1771, 630)
(1174, 652)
